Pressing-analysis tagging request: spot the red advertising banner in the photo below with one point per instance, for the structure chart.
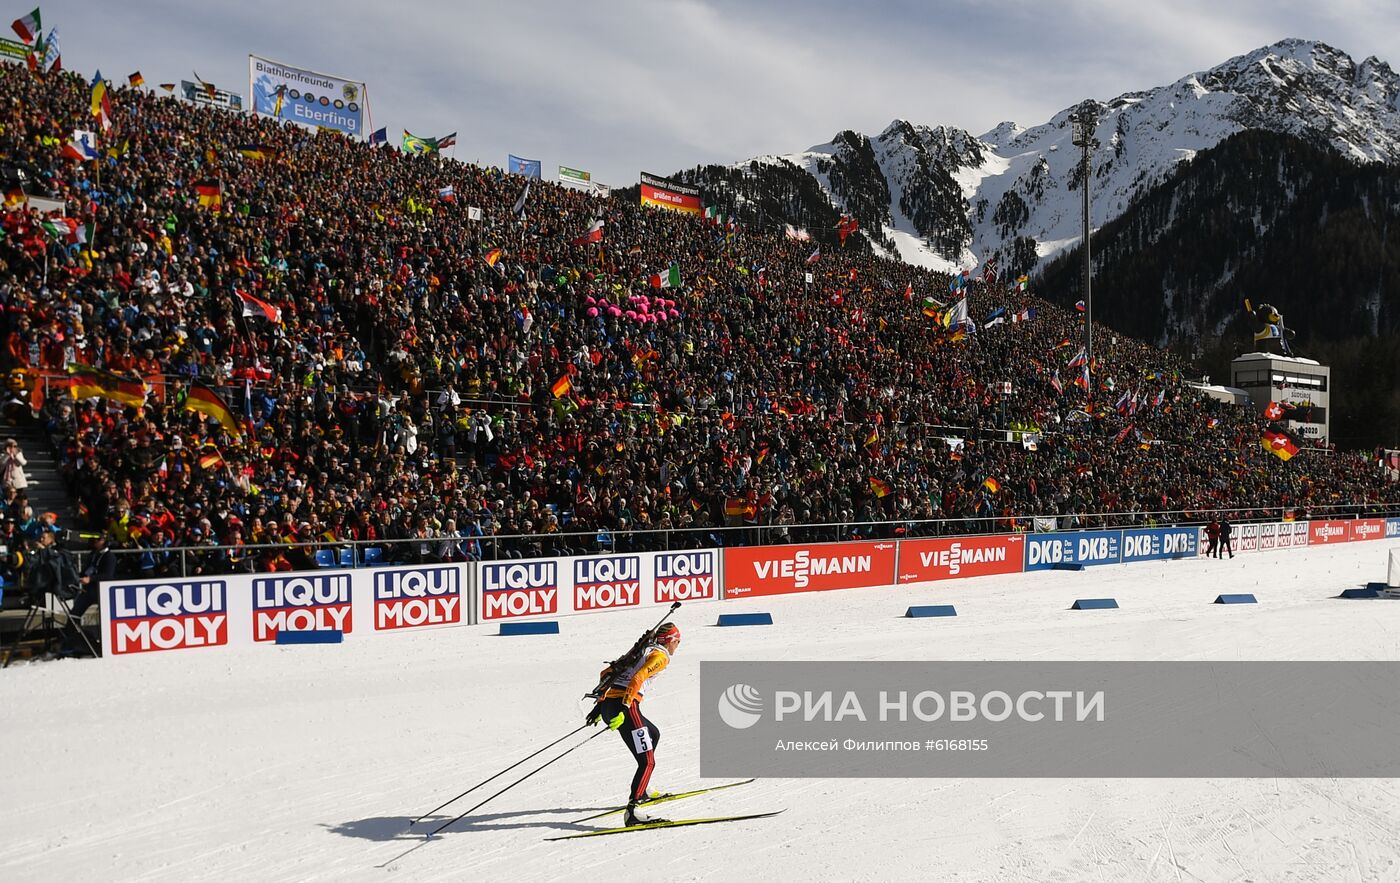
(1324, 532)
(1368, 529)
(665, 193)
(777, 570)
(954, 558)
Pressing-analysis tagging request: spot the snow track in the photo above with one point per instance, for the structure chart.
(306, 763)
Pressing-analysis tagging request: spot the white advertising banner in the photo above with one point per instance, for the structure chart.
(557, 586)
(241, 610)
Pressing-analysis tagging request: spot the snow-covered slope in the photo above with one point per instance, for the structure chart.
(942, 198)
(307, 763)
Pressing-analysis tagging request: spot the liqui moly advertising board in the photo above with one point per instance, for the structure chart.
(607, 581)
(416, 597)
(775, 570)
(301, 602)
(685, 576)
(956, 557)
(512, 589)
(1245, 538)
(178, 614)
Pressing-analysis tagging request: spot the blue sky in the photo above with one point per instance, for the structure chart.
(618, 87)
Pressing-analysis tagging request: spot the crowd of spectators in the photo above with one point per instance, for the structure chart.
(410, 389)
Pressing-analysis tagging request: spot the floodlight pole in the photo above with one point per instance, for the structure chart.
(1084, 119)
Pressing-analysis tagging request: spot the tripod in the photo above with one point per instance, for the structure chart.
(54, 623)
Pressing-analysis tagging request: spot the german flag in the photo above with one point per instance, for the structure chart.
(735, 507)
(136, 80)
(492, 257)
(562, 387)
(86, 383)
(991, 484)
(204, 400)
(211, 459)
(873, 438)
(1278, 444)
(211, 195)
(879, 488)
(169, 87)
(257, 151)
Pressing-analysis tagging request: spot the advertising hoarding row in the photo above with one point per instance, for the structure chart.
(251, 609)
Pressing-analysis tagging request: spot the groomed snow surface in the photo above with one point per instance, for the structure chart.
(306, 763)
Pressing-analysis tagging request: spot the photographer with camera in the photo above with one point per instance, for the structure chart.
(50, 570)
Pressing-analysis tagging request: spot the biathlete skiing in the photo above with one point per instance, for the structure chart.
(620, 708)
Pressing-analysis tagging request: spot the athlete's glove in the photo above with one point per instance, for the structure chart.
(616, 721)
(593, 716)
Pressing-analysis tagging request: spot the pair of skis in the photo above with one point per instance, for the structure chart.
(678, 823)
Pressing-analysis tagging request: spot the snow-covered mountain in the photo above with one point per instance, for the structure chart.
(942, 198)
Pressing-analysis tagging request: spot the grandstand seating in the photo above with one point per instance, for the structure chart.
(419, 383)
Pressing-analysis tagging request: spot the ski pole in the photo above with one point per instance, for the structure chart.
(498, 775)
(516, 782)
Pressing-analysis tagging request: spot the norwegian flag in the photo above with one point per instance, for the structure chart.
(989, 271)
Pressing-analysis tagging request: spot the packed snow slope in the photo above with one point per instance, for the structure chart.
(941, 197)
(306, 763)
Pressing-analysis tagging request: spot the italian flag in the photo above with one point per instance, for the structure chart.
(28, 27)
(669, 279)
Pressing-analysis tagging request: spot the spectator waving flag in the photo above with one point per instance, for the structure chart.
(594, 234)
(1274, 411)
(413, 144)
(670, 279)
(135, 80)
(879, 488)
(53, 56)
(519, 208)
(989, 271)
(101, 104)
(796, 234)
(85, 382)
(203, 400)
(815, 256)
(210, 195)
(1278, 444)
(82, 146)
(378, 137)
(255, 308)
(447, 141)
(448, 193)
(28, 27)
